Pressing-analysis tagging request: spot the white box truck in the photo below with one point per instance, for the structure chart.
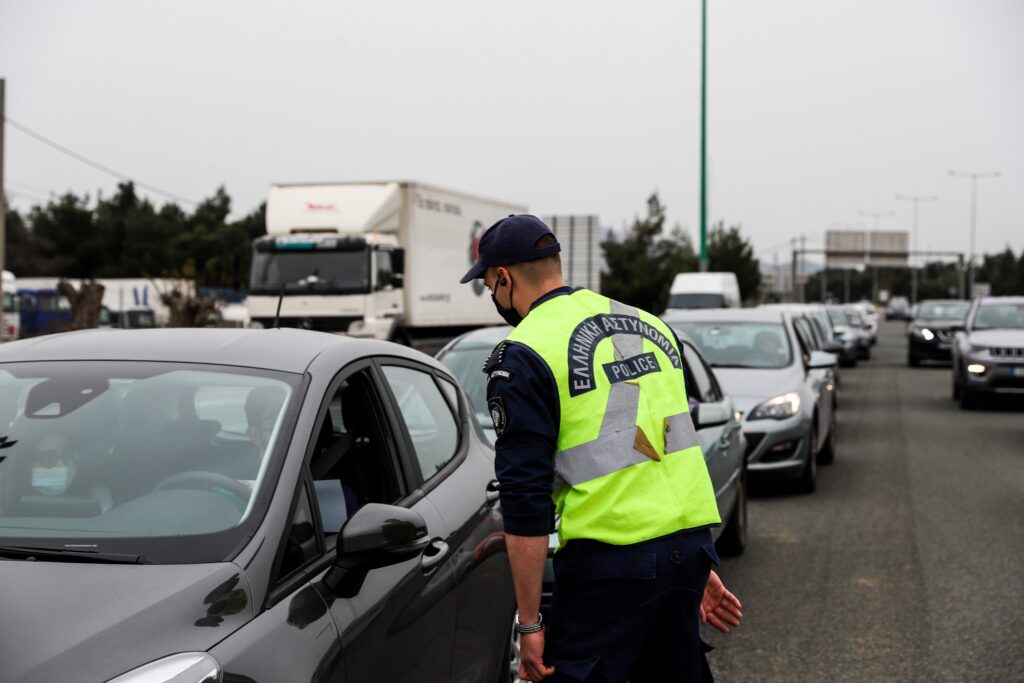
(373, 259)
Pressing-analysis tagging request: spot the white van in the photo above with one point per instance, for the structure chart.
(704, 290)
(10, 323)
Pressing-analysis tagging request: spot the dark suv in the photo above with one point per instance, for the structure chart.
(988, 354)
(931, 332)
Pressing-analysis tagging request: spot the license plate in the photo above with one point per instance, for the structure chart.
(1017, 372)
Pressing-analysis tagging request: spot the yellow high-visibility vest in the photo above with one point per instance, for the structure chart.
(628, 466)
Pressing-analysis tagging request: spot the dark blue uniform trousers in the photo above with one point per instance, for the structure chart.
(630, 613)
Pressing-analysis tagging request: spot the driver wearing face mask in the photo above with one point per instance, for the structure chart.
(54, 472)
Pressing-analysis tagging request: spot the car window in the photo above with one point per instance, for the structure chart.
(998, 316)
(955, 310)
(154, 459)
(707, 392)
(740, 344)
(466, 362)
(804, 337)
(301, 544)
(355, 459)
(427, 416)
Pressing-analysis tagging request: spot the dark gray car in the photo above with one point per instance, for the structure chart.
(988, 354)
(241, 505)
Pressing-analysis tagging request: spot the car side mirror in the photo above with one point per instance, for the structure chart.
(712, 414)
(958, 327)
(834, 347)
(376, 536)
(821, 360)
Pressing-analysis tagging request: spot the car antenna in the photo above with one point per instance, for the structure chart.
(277, 316)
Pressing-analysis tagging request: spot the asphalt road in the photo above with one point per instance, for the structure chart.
(907, 564)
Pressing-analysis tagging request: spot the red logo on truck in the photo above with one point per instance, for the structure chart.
(310, 206)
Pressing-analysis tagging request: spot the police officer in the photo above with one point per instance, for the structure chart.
(593, 425)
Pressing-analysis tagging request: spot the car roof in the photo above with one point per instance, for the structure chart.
(286, 349)
(745, 315)
(485, 336)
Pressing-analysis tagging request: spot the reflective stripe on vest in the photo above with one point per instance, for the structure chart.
(613, 449)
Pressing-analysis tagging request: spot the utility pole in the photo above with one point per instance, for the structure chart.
(3, 199)
(917, 199)
(974, 215)
(871, 244)
(704, 136)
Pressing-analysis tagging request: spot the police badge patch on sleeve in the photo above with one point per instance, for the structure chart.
(497, 410)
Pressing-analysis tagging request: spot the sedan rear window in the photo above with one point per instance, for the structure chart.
(141, 456)
(740, 344)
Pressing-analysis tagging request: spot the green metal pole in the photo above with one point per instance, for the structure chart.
(703, 136)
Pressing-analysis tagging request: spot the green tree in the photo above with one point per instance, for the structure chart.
(642, 265)
(729, 252)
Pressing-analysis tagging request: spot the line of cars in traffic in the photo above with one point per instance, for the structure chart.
(195, 501)
(983, 340)
(762, 385)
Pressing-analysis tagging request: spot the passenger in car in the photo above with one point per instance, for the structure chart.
(262, 407)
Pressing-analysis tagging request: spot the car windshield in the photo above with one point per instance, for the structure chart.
(955, 310)
(855, 317)
(999, 317)
(465, 361)
(316, 271)
(838, 316)
(740, 344)
(153, 459)
(696, 301)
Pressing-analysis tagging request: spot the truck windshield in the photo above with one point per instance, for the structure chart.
(339, 272)
(9, 303)
(696, 301)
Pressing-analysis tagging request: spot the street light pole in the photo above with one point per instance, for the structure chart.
(871, 244)
(703, 136)
(974, 176)
(917, 199)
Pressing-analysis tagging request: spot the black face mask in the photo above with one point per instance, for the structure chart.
(510, 314)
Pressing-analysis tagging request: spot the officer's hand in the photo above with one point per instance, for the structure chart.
(720, 608)
(531, 653)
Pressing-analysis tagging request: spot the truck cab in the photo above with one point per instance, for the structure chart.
(327, 282)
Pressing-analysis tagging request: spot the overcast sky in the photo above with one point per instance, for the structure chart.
(818, 109)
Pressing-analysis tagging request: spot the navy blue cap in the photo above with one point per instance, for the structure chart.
(509, 241)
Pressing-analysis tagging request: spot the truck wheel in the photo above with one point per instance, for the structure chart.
(733, 540)
(400, 336)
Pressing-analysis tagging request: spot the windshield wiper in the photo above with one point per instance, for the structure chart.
(69, 555)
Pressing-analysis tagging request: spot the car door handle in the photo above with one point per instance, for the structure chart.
(493, 491)
(435, 551)
(723, 444)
